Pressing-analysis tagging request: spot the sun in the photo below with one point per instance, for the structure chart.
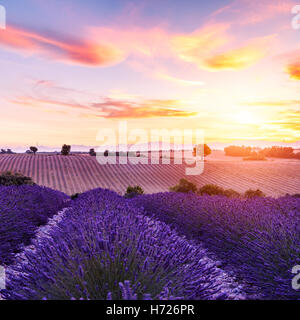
(245, 117)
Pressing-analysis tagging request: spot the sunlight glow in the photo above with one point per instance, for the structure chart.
(246, 117)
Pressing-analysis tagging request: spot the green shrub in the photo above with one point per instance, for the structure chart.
(296, 195)
(184, 186)
(133, 192)
(14, 179)
(211, 190)
(75, 196)
(254, 193)
(230, 193)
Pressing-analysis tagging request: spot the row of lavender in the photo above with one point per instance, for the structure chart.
(106, 248)
(258, 239)
(22, 210)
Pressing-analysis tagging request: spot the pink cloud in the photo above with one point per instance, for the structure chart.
(146, 42)
(109, 108)
(253, 11)
(53, 47)
(203, 47)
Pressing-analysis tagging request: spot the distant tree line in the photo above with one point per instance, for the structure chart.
(280, 152)
(236, 151)
(8, 151)
(106, 153)
(273, 152)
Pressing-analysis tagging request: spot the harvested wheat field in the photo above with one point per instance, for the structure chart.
(79, 173)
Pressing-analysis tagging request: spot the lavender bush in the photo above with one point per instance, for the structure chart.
(22, 210)
(105, 248)
(257, 239)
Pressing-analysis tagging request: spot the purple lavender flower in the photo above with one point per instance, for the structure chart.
(22, 210)
(106, 248)
(257, 240)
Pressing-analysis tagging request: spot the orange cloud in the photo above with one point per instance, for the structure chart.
(145, 112)
(239, 58)
(59, 49)
(114, 109)
(202, 48)
(120, 109)
(201, 43)
(293, 69)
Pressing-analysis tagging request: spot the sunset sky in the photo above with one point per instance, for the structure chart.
(68, 68)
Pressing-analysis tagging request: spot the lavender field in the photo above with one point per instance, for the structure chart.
(79, 173)
(160, 246)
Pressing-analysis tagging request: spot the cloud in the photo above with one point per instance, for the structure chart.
(113, 109)
(145, 112)
(45, 83)
(140, 109)
(203, 48)
(57, 48)
(291, 125)
(37, 102)
(290, 120)
(207, 47)
(179, 81)
(240, 58)
(293, 70)
(246, 12)
(201, 43)
(137, 41)
(278, 103)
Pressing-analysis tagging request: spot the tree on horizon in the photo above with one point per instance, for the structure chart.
(33, 150)
(92, 152)
(206, 150)
(65, 150)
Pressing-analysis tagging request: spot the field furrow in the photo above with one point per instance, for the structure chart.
(79, 173)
